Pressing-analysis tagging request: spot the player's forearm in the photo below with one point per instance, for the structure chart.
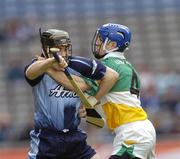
(107, 83)
(61, 78)
(81, 83)
(39, 67)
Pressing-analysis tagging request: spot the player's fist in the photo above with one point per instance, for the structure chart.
(82, 112)
(63, 64)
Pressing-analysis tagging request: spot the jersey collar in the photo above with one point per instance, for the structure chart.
(116, 54)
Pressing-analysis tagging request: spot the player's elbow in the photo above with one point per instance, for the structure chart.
(115, 76)
(112, 75)
(30, 74)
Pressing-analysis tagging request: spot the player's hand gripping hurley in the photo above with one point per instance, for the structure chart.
(93, 117)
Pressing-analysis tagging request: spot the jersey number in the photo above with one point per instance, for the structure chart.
(134, 84)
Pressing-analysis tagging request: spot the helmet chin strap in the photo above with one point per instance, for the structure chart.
(104, 47)
(43, 52)
(46, 54)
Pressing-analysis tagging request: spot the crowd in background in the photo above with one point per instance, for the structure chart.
(160, 93)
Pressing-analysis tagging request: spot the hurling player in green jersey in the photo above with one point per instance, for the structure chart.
(135, 136)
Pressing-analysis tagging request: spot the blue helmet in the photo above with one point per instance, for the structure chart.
(113, 32)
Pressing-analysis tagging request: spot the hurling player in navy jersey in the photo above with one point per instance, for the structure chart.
(57, 109)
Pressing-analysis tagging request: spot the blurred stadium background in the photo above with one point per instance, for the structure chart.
(155, 51)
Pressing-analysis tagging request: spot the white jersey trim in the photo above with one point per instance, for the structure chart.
(122, 98)
(115, 54)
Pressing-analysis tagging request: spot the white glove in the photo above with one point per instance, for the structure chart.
(92, 100)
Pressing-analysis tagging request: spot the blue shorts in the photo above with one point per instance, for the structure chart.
(47, 144)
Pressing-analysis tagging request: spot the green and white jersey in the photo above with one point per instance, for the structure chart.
(122, 104)
(117, 62)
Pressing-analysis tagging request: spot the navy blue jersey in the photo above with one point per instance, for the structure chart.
(55, 106)
(56, 116)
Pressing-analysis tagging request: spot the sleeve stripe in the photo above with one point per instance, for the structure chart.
(75, 60)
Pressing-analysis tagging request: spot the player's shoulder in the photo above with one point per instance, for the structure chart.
(112, 62)
(34, 81)
(80, 58)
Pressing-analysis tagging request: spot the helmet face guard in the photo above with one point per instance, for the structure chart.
(96, 45)
(55, 38)
(111, 32)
